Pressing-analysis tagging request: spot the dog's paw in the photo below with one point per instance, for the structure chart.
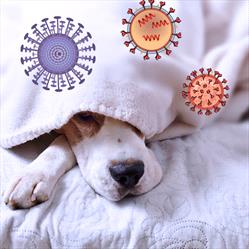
(27, 190)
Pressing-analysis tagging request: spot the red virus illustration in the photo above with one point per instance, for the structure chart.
(205, 91)
(151, 29)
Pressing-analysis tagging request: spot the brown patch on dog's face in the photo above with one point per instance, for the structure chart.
(82, 125)
(87, 124)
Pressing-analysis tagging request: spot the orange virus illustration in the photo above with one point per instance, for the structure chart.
(205, 91)
(151, 29)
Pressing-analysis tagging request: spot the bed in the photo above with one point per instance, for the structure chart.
(202, 201)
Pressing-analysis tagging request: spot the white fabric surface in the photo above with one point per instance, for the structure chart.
(122, 85)
(201, 203)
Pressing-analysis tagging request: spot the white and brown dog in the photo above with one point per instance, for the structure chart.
(112, 156)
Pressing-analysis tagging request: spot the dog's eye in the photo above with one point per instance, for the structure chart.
(85, 117)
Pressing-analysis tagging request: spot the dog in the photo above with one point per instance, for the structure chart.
(112, 155)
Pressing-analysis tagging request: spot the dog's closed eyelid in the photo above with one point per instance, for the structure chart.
(85, 117)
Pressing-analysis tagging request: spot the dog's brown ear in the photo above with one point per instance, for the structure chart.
(81, 125)
(63, 129)
(59, 131)
(71, 131)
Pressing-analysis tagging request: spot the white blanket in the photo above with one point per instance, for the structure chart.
(201, 203)
(146, 94)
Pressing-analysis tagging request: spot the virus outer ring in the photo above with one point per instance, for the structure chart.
(151, 29)
(59, 54)
(205, 91)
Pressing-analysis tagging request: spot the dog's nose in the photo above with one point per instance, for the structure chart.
(129, 174)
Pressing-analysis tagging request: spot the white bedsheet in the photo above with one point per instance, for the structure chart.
(202, 201)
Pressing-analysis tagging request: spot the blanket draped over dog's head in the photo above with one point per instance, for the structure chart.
(117, 83)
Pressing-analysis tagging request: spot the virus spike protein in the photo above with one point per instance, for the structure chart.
(205, 92)
(151, 29)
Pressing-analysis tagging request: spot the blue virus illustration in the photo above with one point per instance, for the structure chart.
(59, 54)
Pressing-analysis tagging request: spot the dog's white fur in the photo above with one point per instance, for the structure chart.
(95, 154)
(115, 141)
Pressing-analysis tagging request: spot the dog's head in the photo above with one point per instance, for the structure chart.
(112, 155)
